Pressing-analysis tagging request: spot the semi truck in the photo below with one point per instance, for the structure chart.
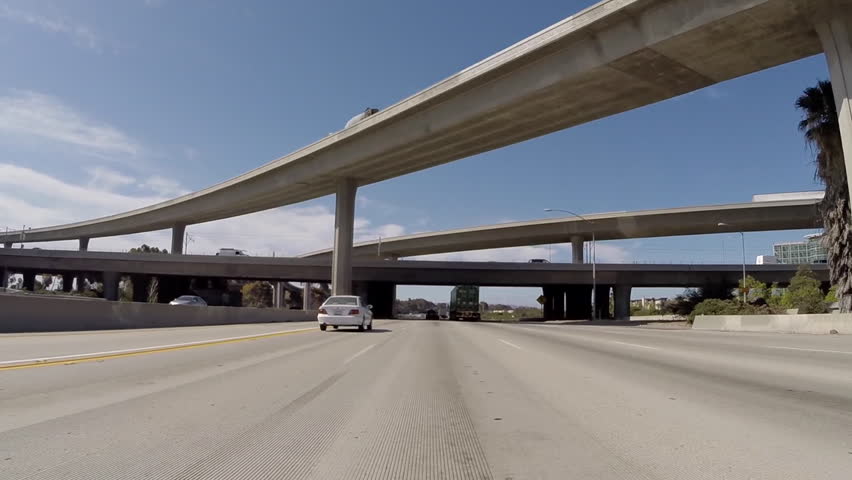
(464, 303)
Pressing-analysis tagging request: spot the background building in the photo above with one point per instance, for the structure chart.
(809, 251)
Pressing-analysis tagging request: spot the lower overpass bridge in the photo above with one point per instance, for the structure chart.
(567, 287)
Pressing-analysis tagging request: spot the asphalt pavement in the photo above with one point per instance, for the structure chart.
(425, 399)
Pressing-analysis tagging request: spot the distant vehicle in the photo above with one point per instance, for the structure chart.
(432, 315)
(191, 300)
(464, 303)
(231, 252)
(539, 260)
(345, 310)
(361, 116)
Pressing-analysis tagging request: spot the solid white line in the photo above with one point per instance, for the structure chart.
(811, 350)
(362, 352)
(142, 349)
(635, 345)
(510, 344)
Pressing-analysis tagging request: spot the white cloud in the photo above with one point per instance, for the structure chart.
(42, 116)
(103, 178)
(167, 187)
(80, 34)
(375, 206)
(41, 200)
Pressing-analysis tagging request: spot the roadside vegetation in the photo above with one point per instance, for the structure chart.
(804, 294)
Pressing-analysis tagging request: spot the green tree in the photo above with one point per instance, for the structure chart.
(831, 296)
(804, 292)
(776, 297)
(257, 294)
(821, 129)
(714, 306)
(146, 249)
(756, 289)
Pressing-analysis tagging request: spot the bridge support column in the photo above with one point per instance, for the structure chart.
(550, 293)
(7, 244)
(84, 244)
(344, 224)
(578, 303)
(67, 282)
(835, 33)
(29, 280)
(177, 238)
(602, 302)
(140, 288)
(4, 277)
(559, 302)
(278, 295)
(577, 249)
(622, 302)
(307, 296)
(111, 280)
(80, 278)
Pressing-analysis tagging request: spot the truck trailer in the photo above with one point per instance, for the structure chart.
(464, 303)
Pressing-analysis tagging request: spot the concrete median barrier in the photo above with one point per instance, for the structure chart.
(44, 314)
(803, 323)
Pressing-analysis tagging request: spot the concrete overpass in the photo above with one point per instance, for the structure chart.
(568, 285)
(614, 56)
(748, 217)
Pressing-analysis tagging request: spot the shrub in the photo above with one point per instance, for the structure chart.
(257, 294)
(804, 293)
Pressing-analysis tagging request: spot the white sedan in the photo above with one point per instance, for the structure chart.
(345, 311)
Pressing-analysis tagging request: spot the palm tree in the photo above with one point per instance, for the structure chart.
(821, 129)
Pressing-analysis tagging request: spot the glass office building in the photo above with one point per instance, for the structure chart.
(809, 251)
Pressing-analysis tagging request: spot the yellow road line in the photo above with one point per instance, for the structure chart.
(146, 352)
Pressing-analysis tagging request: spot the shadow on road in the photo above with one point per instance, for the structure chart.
(355, 330)
(617, 323)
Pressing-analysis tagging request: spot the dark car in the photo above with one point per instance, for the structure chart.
(432, 315)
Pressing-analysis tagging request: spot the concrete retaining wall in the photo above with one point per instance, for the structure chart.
(44, 314)
(815, 323)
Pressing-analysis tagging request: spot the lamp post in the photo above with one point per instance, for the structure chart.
(742, 236)
(594, 268)
(186, 239)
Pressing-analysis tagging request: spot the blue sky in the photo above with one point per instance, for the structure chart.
(106, 106)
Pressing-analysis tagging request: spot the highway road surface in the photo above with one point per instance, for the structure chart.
(425, 400)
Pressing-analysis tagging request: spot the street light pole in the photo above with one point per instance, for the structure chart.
(745, 294)
(594, 268)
